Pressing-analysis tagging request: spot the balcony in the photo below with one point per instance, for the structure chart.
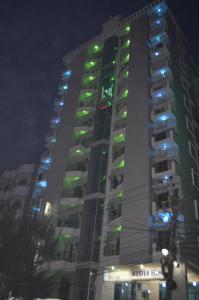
(80, 166)
(20, 191)
(160, 72)
(121, 110)
(125, 56)
(78, 152)
(46, 159)
(92, 64)
(83, 112)
(161, 93)
(116, 179)
(74, 178)
(66, 74)
(87, 95)
(26, 168)
(73, 193)
(55, 121)
(59, 104)
(164, 168)
(119, 124)
(158, 39)
(68, 231)
(118, 151)
(157, 26)
(71, 202)
(58, 265)
(119, 163)
(164, 122)
(95, 49)
(162, 183)
(157, 11)
(41, 181)
(161, 220)
(62, 89)
(90, 81)
(119, 135)
(81, 131)
(166, 151)
(164, 110)
(165, 136)
(122, 94)
(50, 138)
(160, 52)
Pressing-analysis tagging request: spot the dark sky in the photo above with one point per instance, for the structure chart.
(34, 36)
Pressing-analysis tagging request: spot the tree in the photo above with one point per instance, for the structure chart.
(25, 245)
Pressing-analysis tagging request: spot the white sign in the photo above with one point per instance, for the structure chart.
(137, 274)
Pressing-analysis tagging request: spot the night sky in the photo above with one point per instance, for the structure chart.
(34, 36)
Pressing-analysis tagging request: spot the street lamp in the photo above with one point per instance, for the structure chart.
(165, 252)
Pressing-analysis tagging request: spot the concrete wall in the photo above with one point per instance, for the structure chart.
(65, 132)
(134, 246)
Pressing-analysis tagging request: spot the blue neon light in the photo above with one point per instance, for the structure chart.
(55, 121)
(157, 53)
(42, 183)
(36, 209)
(65, 87)
(61, 103)
(67, 73)
(164, 147)
(165, 217)
(163, 118)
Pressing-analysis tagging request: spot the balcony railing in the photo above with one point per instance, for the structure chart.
(77, 192)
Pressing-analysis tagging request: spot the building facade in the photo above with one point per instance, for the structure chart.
(16, 186)
(121, 173)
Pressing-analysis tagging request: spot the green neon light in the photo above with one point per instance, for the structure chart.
(83, 113)
(119, 138)
(80, 133)
(90, 64)
(70, 180)
(94, 48)
(77, 152)
(124, 94)
(126, 59)
(127, 44)
(124, 114)
(126, 74)
(88, 79)
(117, 228)
(114, 62)
(121, 164)
(119, 194)
(85, 96)
(128, 28)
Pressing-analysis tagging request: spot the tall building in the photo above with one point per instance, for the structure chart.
(121, 174)
(16, 186)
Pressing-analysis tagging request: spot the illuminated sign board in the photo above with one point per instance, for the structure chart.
(135, 274)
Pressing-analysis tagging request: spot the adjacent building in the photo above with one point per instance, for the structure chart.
(122, 167)
(16, 186)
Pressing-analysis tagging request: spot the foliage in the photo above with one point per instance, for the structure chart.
(25, 244)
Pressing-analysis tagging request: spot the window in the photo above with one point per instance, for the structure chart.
(192, 151)
(112, 244)
(114, 211)
(196, 206)
(195, 178)
(163, 166)
(161, 136)
(189, 125)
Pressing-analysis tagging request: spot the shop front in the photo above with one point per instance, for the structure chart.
(146, 282)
